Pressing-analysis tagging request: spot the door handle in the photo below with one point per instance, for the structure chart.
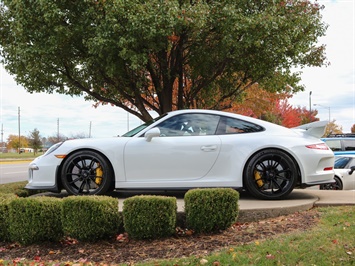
(208, 148)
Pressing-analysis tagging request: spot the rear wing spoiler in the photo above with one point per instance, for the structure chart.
(315, 129)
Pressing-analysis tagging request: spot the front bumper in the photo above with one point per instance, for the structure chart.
(42, 174)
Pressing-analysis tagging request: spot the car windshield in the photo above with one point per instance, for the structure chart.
(138, 129)
(341, 162)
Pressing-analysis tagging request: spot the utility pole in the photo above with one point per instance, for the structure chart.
(19, 131)
(2, 138)
(310, 106)
(58, 129)
(90, 130)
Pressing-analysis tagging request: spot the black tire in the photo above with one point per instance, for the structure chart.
(87, 173)
(270, 174)
(338, 185)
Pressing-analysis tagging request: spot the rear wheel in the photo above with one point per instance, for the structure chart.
(270, 174)
(86, 173)
(338, 185)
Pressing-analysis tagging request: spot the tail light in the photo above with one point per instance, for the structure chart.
(319, 146)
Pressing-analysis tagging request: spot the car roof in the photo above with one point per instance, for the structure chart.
(226, 113)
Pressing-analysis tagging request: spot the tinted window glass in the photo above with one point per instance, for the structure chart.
(138, 129)
(229, 125)
(341, 162)
(189, 125)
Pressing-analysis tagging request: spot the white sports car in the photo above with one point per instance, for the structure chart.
(344, 177)
(190, 149)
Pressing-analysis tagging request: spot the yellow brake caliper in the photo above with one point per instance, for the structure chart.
(258, 179)
(99, 174)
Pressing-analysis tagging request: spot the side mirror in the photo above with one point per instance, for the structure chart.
(352, 169)
(152, 133)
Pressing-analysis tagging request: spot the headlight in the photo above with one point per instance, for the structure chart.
(53, 148)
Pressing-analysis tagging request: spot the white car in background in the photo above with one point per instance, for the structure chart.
(190, 149)
(344, 177)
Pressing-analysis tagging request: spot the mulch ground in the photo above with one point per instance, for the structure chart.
(121, 249)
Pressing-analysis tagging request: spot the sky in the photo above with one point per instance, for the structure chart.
(330, 90)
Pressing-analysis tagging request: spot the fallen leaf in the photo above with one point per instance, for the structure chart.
(17, 260)
(52, 252)
(203, 261)
(189, 232)
(270, 256)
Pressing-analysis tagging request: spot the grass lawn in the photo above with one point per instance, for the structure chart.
(19, 156)
(331, 242)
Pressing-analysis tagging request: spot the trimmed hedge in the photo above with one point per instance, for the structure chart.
(5, 200)
(211, 209)
(90, 217)
(34, 220)
(147, 217)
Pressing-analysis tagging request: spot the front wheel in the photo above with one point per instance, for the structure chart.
(86, 173)
(270, 174)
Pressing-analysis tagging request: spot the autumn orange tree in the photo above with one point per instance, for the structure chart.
(273, 107)
(160, 55)
(333, 128)
(16, 142)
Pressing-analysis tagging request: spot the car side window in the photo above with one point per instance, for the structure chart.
(192, 124)
(341, 162)
(349, 144)
(334, 144)
(352, 162)
(229, 125)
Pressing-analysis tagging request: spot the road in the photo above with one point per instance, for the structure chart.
(13, 171)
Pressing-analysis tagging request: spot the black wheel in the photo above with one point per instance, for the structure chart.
(86, 173)
(270, 174)
(338, 185)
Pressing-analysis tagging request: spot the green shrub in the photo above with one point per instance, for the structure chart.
(148, 217)
(211, 209)
(5, 200)
(91, 217)
(35, 219)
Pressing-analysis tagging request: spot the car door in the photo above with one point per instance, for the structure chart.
(186, 150)
(349, 179)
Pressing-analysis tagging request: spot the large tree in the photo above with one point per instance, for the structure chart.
(35, 140)
(16, 142)
(159, 55)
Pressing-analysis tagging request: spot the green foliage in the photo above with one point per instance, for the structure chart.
(11, 188)
(149, 216)
(34, 220)
(90, 217)
(145, 53)
(35, 140)
(5, 199)
(18, 189)
(209, 210)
